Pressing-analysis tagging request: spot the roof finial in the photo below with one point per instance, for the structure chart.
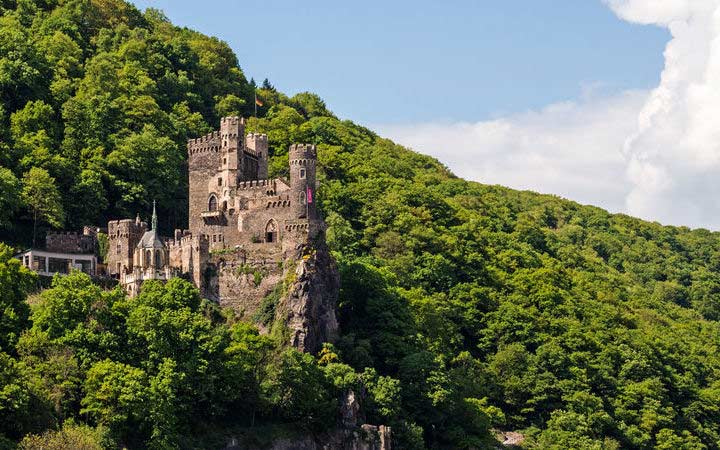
(154, 218)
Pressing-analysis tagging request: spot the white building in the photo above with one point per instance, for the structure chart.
(49, 263)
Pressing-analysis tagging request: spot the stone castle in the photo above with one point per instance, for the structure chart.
(249, 237)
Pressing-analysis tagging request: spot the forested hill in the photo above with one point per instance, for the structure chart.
(464, 307)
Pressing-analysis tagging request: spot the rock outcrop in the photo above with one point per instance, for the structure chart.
(311, 299)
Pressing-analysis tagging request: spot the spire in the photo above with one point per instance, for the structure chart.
(137, 219)
(154, 218)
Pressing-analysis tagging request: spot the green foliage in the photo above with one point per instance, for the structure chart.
(15, 283)
(10, 199)
(265, 313)
(463, 307)
(296, 390)
(41, 195)
(77, 437)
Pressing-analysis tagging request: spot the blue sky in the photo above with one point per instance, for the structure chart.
(607, 102)
(410, 61)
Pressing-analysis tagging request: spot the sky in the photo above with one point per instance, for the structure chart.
(607, 102)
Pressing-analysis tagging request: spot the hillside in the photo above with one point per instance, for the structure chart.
(463, 307)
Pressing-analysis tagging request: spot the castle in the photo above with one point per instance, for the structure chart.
(240, 222)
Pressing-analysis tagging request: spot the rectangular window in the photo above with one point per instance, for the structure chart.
(219, 181)
(302, 174)
(214, 237)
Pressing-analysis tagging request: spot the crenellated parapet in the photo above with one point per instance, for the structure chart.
(209, 143)
(302, 152)
(232, 127)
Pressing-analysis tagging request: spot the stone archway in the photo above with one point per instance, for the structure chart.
(212, 203)
(271, 231)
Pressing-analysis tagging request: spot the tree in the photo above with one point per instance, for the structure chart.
(116, 396)
(77, 437)
(267, 86)
(15, 283)
(40, 194)
(9, 196)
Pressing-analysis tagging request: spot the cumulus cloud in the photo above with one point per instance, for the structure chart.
(674, 155)
(571, 149)
(654, 155)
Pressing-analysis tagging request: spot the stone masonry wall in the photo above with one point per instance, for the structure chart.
(123, 236)
(69, 242)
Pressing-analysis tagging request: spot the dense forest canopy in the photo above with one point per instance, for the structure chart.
(464, 307)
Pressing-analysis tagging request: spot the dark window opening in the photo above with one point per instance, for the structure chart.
(212, 203)
(271, 232)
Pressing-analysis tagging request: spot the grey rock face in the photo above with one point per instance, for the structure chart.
(312, 299)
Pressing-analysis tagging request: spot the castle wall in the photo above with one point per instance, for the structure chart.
(243, 277)
(189, 255)
(70, 242)
(123, 237)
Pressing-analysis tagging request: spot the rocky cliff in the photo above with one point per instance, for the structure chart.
(295, 285)
(309, 306)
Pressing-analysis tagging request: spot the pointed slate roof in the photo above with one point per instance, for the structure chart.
(151, 239)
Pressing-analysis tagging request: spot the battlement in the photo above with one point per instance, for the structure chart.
(232, 120)
(302, 151)
(232, 127)
(208, 143)
(125, 224)
(259, 137)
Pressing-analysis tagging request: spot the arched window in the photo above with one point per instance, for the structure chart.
(158, 259)
(119, 248)
(271, 231)
(148, 258)
(212, 203)
(303, 198)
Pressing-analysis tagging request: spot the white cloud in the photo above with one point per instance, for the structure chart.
(674, 155)
(571, 149)
(654, 155)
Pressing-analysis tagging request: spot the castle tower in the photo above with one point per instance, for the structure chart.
(303, 159)
(204, 161)
(123, 237)
(232, 138)
(258, 144)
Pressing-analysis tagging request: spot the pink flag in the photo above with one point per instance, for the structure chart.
(309, 195)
